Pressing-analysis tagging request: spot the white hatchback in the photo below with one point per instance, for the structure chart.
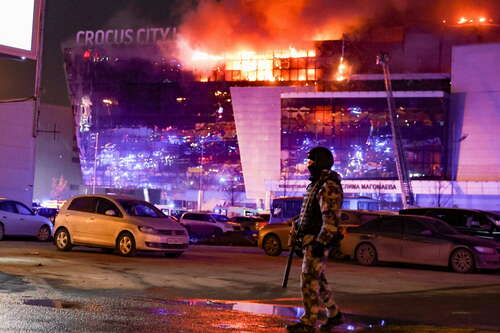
(120, 223)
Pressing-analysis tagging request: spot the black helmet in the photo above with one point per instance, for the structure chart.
(323, 159)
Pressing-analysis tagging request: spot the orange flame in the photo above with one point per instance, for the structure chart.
(343, 70)
(469, 20)
(248, 65)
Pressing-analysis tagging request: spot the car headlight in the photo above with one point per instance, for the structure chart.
(148, 230)
(485, 250)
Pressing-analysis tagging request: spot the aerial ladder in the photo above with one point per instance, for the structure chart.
(401, 166)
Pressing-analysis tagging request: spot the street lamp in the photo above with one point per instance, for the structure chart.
(200, 189)
(94, 180)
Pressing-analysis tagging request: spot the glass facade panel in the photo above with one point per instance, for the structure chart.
(147, 124)
(358, 132)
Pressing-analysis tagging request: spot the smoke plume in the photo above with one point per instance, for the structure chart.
(234, 25)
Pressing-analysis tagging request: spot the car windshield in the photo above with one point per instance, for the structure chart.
(141, 208)
(495, 217)
(443, 227)
(220, 218)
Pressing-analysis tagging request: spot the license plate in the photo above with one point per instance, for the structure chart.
(176, 241)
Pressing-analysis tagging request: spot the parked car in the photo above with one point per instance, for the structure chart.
(120, 223)
(249, 223)
(419, 240)
(49, 213)
(16, 219)
(264, 215)
(206, 224)
(273, 238)
(467, 221)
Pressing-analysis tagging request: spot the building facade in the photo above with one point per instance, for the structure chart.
(239, 133)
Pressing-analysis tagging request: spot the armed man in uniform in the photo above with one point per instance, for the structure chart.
(317, 227)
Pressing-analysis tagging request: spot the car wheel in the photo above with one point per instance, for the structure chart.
(216, 233)
(1, 231)
(43, 234)
(366, 254)
(462, 261)
(125, 244)
(173, 254)
(63, 240)
(272, 245)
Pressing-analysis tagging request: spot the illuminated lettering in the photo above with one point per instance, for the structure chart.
(89, 37)
(124, 36)
(78, 36)
(108, 33)
(139, 33)
(154, 31)
(99, 37)
(164, 33)
(128, 36)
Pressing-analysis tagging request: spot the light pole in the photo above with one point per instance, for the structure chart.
(94, 180)
(200, 189)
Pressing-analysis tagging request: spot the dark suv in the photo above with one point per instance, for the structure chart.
(467, 221)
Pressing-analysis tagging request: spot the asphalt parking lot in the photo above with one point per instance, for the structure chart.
(395, 293)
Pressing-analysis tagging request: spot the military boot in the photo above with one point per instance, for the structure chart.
(332, 323)
(300, 327)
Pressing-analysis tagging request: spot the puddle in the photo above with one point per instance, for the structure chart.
(164, 312)
(353, 322)
(53, 303)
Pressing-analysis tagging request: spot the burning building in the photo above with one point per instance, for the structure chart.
(156, 113)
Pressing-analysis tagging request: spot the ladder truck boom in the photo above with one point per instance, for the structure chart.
(401, 166)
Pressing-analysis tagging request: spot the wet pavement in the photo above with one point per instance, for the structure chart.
(182, 315)
(226, 289)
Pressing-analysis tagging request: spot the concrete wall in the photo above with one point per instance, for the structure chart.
(56, 157)
(17, 151)
(257, 114)
(475, 87)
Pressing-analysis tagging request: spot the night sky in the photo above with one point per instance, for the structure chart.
(63, 18)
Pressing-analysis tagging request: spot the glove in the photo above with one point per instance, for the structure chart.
(317, 249)
(337, 237)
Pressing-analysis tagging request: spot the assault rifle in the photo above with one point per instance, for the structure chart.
(294, 234)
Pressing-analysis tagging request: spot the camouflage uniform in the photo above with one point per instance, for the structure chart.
(326, 193)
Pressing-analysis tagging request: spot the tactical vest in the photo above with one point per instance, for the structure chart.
(311, 219)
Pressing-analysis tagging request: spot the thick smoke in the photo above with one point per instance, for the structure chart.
(234, 25)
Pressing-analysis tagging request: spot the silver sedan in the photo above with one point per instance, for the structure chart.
(16, 219)
(419, 240)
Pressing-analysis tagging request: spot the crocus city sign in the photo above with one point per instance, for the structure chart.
(124, 36)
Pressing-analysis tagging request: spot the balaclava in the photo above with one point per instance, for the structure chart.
(323, 159)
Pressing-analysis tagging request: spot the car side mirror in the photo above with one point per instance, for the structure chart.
(110, 212)
(426, 233)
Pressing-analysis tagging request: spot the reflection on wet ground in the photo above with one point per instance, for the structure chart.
(178, 309)
(53, 303)
(352, 322)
